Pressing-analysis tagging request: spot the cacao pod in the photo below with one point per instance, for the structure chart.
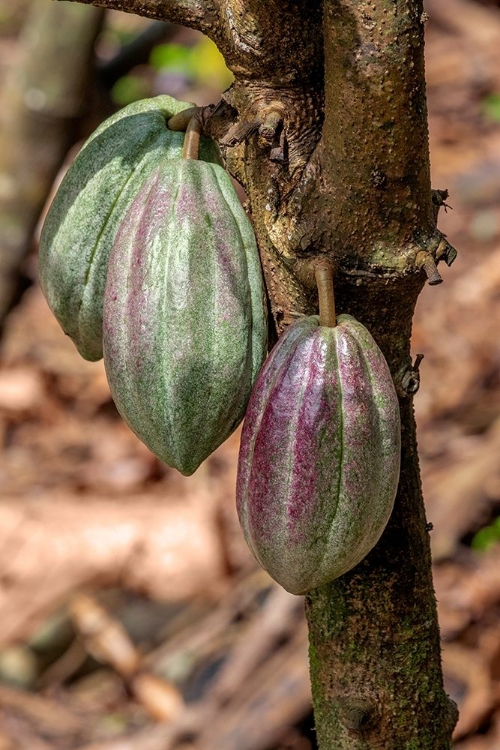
(88, 208)
(320, 453)
(184, 317)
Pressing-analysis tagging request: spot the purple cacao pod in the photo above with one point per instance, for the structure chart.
(320, 453)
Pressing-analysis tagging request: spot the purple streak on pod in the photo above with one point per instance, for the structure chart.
(320, 452)
(184, 328)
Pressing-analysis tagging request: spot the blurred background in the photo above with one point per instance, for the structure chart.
(132, 615)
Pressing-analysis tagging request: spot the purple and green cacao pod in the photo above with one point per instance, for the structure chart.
(320, 453)
(88, 208)
(184, 314)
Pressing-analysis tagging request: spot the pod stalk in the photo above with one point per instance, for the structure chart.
(323, 273)
(192, 140)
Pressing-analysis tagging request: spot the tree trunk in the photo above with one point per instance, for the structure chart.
(326, 128)
(45, 96)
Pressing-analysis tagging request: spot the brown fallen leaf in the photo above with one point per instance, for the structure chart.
(468, 666)
(161, 699)
(50, 547)
(456, 489)
(107, 640)
(21, 389)
(50, 716)
(104, 637)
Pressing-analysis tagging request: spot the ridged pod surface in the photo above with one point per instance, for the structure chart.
(184, 316)
(320, 453)
(89, 206)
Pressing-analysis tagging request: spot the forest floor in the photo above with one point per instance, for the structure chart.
(133, 615)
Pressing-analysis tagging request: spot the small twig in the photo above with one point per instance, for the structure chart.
(198, 14)
(65, 666)
(104, 637)
(278, 151)
(271, 119)
(107, 640)
(446, 252)
(431, 271)
(418, 360)
(239, 132)
(409, 378)
(439, 198)
(425, 261)
(277, 619)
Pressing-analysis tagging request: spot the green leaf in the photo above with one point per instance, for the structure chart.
(486, 538)
(491, 107)
(207, 65)
(129, 89)
(202, 63)
(170, 57)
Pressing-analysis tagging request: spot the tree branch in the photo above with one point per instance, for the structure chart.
(374, 637)
(261, 35)
(198, 14)
(374, 145)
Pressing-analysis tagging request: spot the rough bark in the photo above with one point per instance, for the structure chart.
(348, 179)
(375, 629)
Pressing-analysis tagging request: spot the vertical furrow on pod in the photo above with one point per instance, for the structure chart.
(250, 458)
(359, 484)
(195, 370)
(385, 409)
(126, 336)
(153, 298)
(253, 270)
(89, 206)
(312, 492)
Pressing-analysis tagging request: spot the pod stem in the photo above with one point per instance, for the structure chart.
(180, 121)
(192, 139)
(323, 273)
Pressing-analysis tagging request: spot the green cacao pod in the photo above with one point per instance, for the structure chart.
(184, 316)
(320, 453)
(89, 206)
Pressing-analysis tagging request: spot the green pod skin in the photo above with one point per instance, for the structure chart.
(88, 208)
(184, 316)
(320, 453)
